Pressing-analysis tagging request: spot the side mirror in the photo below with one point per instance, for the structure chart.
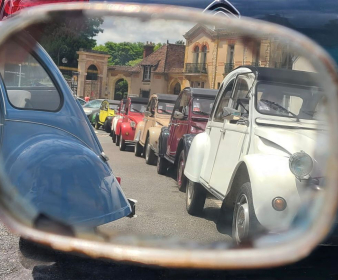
(147, 114)
(178, 115)
(123, 111)
(230, 114)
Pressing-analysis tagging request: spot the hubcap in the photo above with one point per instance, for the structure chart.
(190, 192)
(180, 172)
(242, 219)
(147, 151)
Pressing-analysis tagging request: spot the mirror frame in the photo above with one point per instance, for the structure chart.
(293, 249)
(178, 115)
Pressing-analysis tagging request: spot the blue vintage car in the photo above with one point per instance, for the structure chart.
(49, 149)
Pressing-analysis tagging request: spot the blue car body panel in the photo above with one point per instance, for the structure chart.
(54, 158)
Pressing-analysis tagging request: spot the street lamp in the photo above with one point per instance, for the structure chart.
(63, 46)
(20, 76)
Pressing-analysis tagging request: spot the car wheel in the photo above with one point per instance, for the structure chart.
(97, 125)
(181, 179)
(162, 165)
(114, 137)
(117, 142)
(195, 197)
(149, 154)
(107, 127)
(122, 143)
(138, 149)
(244, 222)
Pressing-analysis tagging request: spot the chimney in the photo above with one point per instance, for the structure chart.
(148, 49)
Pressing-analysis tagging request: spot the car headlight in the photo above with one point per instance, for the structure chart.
(132, 124)
(301, 164)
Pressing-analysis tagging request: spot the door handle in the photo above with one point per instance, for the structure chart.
(222, 130)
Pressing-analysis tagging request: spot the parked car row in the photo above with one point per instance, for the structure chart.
(225, 143)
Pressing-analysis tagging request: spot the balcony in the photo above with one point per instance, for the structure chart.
(228, 67)
(196, 68)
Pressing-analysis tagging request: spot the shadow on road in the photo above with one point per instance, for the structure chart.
(322, 264)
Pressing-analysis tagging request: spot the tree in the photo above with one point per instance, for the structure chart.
(64, 35)
(180, 42)
(121, 89)
(134, 62)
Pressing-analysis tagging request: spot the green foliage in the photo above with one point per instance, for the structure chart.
(180, 42)
(121, 89)
(134, 62)
(157, 46)
(65, 35)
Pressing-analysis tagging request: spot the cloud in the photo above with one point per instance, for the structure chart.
(133, 30)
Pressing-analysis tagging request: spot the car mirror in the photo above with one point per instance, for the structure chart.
(147, 114)
(231, 114)
(178, 115)
(271, 203)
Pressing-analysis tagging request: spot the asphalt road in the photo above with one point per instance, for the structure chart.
(161, 212)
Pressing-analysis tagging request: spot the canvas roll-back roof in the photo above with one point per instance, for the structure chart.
(286, 76)
(167, 97)
(202, 92)
(139, 100)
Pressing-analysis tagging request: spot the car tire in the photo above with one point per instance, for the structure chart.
(106, 126)
(138, 149)
(117, 142)
(97, 125)
(180, 177)
(149, 154)
(195, 198)
(114, 137)
(162, 165)
(122, 143)
(244, 221)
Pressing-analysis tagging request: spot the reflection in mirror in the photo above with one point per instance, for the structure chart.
(253, 180)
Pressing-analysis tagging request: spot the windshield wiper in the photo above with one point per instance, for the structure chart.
(201, 113)
(165, 111)
(280, 107)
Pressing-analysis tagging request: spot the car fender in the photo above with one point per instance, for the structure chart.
(127, 131)
(270, 177)
(154, 134)
(66, 180)
(186, 143)
(118, 126)
(163, 141)
(138, 131)
(196, 156)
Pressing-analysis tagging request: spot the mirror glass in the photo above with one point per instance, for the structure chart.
(261, 181)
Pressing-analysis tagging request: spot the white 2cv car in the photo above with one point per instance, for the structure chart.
(257, 153)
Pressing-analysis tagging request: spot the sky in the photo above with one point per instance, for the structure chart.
(132, 30)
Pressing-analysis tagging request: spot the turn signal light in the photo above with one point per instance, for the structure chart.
(279, 203)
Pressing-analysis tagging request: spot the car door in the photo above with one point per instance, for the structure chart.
(149, 121)
(232, 136)
(214, 129)
(104, 111)
(179, 127)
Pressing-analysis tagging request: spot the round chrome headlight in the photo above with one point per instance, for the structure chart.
(301, 164)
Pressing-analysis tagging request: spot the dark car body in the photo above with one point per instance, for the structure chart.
(196, 105)
(49, 149)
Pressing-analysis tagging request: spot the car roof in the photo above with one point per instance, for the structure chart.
(166, 97)
(139, 100)
(286, 76)
(201, 92)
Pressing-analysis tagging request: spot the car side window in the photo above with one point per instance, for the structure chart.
(28, 84)
(102, 106)
(184, 104)
(239, 97)
(177, 104)
(223, 101)
(152, 106)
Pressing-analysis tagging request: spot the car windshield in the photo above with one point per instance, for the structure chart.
(113, 106)
(202, 106)
(138, 107)
(165, 108)
(286, 100)
(93, 104)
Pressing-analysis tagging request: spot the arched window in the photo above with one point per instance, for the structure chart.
(204, 54)
(196, 54)
(177, 88)
(92, 73)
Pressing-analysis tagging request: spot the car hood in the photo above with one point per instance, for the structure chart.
(290, 140)
(88, 111)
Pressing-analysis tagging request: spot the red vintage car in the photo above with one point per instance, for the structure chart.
(133, 113)
(189, 117)
(115, 120)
